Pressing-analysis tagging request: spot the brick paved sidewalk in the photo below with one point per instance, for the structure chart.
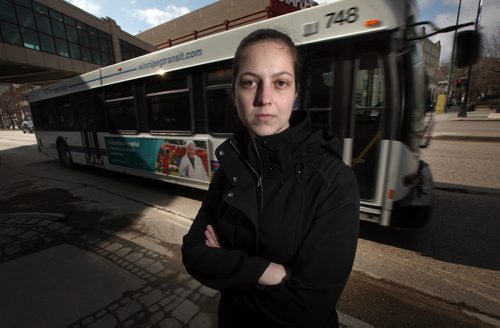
(55, 275)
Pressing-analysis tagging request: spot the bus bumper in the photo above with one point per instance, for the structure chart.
(414, 210)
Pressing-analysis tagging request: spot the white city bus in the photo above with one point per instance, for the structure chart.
(362, 77)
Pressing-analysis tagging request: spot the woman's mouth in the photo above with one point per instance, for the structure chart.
(264, 117)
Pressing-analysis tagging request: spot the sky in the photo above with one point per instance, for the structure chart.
(134, 16)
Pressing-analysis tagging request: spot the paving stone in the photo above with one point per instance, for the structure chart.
(128, 310)
(193, 284)
(123, 251)
(186, 293)
(152, 297)
(101, 313)
(202, 320)
(87, 321)
(155, 267)
(169, 323)
(173, 304)
(208, 291)
(103, 243)
(165, 301)
(104, 322)
(157, 316)
(134, 257)
(144, 262)
(113, 247)
(185, 311)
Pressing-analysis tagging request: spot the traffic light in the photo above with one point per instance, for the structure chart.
(461, 83)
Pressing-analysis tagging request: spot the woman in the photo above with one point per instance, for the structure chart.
(278, 229)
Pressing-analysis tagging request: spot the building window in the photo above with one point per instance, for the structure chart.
(129, 51)
(30, 39)
(25, 17)
(62, 48)
(43, 23)
(32, 25)
(47, 43)
(10, 33)
(7, 12)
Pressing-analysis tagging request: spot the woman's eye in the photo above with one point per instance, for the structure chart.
(249, 83)
(281, 83)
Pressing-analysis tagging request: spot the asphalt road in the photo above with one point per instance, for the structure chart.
(445, 274)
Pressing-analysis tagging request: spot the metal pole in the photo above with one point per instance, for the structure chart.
(452, 57)
(465, 105)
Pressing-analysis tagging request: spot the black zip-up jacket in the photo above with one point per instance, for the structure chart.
(286, 198)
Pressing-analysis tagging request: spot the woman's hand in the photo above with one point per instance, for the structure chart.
(212, 240)
(274, 274)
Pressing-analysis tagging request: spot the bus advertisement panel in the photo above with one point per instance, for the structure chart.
(172, 157)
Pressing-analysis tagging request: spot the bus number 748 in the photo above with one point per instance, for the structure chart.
(350, 16)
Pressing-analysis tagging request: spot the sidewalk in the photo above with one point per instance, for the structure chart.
(55, 275)
(480, 114)
(483, 124)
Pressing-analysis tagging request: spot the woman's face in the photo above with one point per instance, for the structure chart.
(264, 89)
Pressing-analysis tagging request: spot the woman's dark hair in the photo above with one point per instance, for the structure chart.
(266, 35)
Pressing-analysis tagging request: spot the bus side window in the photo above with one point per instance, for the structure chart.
(44, 116)
(64, 113)
(369, 105)
(120, 109)
(222, 116)
(168, 104)
(319, 82)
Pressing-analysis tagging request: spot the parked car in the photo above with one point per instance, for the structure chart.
(27, 127)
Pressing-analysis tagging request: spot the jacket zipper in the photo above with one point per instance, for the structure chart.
(258, 177)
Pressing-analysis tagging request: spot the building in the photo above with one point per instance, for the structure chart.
(431, 52)
(217, 17)
(47, 40)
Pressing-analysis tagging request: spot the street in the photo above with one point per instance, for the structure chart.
(445, 274)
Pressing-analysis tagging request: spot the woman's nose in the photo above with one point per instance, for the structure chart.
(264, 95)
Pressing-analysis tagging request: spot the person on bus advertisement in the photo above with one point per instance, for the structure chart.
(277, 232)
(191, 165)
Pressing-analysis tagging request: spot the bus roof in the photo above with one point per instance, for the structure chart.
(335, 20)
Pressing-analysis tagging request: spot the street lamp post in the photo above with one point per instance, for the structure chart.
(465, 104)
(452, 57)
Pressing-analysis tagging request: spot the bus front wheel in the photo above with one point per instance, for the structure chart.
(64, 154)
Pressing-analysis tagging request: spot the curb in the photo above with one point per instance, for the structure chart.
(466, 138)
(465, 189)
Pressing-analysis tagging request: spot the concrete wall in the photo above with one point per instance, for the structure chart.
(202, 18)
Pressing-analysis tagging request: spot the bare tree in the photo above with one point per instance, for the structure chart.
(13, 105)
(486, 73)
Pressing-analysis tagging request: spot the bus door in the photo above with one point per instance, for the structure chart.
(89, 111)
(369, 153)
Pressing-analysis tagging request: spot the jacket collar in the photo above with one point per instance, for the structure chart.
(279, 150)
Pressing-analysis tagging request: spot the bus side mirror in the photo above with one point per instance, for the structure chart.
(468, 47)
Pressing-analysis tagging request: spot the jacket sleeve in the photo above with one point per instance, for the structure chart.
(322, 265)
(218, 268)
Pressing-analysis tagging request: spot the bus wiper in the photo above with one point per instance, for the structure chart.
(436, 29)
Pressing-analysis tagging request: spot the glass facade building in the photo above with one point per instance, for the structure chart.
(35, 26)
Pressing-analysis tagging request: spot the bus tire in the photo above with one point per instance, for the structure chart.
(64, 154)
